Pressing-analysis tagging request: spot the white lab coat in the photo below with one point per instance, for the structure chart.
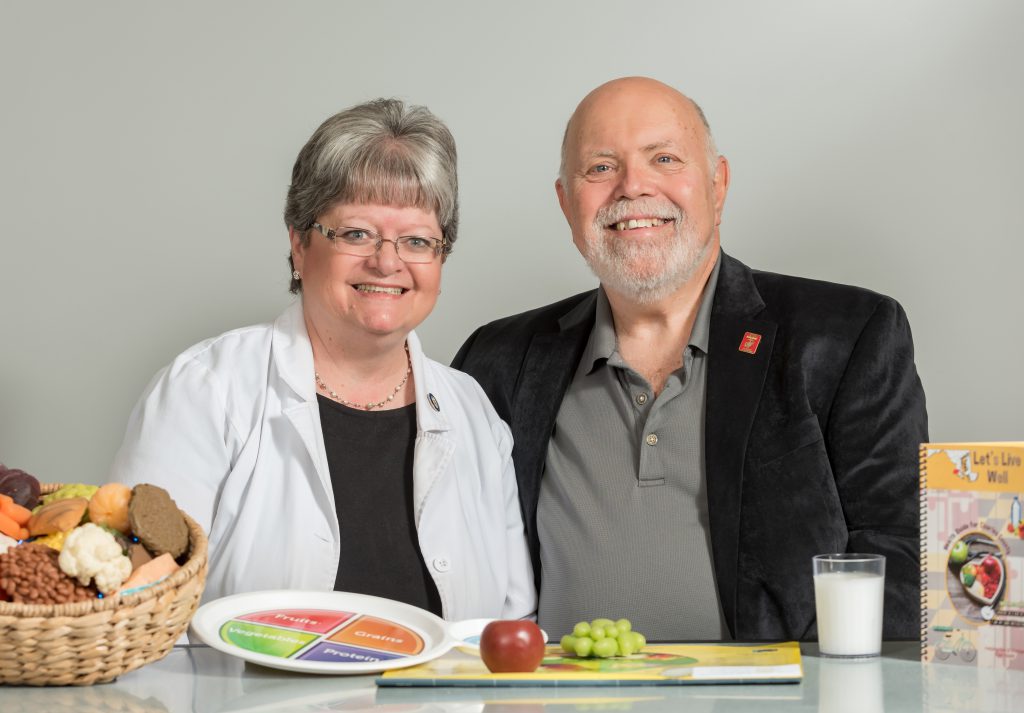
(231, 429)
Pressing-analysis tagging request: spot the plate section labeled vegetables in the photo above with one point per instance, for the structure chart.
(84, 541)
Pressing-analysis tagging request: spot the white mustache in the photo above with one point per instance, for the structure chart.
(650, 208)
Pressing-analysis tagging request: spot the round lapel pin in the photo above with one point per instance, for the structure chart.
(433, 402)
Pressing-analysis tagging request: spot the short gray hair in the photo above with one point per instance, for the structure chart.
(709, 144)
(381, 151)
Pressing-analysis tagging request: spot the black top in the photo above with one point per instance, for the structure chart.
(370, 455)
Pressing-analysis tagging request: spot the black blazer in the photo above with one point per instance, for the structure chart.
(811, 441)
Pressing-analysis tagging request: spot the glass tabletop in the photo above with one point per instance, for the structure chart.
(203, 680)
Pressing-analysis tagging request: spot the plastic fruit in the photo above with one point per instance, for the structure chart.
(512, 646)
(605, 648)
(109, 506)
(603, 638)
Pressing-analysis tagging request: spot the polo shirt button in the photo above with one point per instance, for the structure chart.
(641, 398)
(652, 439)
(441, 564)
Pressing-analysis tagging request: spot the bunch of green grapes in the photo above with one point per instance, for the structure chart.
(602, 638)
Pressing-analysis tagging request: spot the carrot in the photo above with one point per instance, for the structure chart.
(5, 500)
(10, 528)
(16, 512)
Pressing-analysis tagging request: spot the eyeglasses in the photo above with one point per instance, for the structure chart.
(364, 243)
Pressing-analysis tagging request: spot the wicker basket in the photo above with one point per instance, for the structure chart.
(98, 640)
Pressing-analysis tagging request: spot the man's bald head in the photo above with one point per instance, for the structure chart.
(642, 188)
(634, 89)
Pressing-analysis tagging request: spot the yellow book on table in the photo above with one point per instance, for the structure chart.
(656, 665)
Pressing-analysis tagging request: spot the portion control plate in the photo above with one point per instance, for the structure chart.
(327, 632)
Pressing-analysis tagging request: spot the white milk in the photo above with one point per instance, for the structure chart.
(849, 606)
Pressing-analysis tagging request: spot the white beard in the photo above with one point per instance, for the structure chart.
(644, 271)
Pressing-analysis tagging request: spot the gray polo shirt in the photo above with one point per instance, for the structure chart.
(623, 515)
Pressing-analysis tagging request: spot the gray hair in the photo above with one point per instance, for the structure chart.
(711, 151)
(381, 151)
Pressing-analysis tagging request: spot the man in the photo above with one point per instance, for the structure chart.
(688, 436)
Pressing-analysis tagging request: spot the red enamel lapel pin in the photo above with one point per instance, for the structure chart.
(749, 343)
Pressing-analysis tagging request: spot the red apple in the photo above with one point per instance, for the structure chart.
(512, 646)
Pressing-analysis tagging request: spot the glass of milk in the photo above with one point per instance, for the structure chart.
(848, 594)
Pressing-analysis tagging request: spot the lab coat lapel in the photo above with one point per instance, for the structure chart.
(434, 447)
(305, 418)
(292, 355)
(735, 378)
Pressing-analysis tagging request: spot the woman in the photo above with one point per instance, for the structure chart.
(325, 451)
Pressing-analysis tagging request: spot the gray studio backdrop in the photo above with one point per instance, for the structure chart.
(145, 150)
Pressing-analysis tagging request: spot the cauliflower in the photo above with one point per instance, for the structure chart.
(5, 544)
(92, 554)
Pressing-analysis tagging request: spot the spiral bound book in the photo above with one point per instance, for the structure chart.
(656, 665)
(972, 554)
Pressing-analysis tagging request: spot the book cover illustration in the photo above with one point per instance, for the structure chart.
(972, 554)
(658, 664)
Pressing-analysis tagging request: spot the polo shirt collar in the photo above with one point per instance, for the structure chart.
(702, 324)
(603, 344)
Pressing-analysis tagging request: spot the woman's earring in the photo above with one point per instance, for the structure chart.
(296, 275)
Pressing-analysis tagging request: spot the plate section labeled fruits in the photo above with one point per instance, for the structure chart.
(322, 632)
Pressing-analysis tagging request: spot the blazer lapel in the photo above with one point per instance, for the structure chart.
(739, 350)
(547, 371)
